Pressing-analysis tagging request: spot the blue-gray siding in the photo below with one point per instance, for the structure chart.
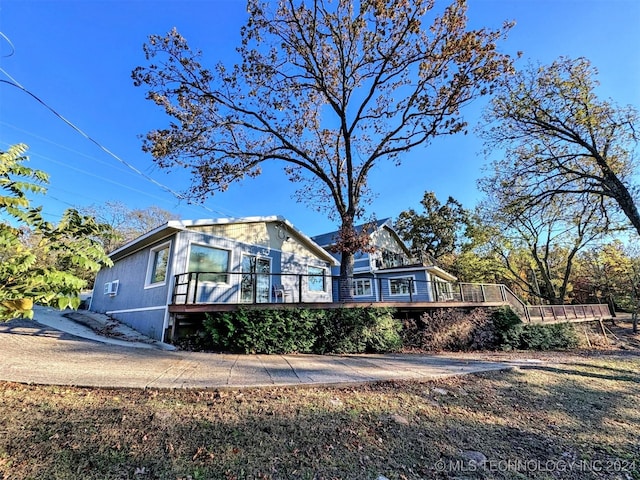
(131, 273)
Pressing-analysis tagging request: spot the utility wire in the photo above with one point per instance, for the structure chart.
(13, 49)
(64, 147)
(14, 83)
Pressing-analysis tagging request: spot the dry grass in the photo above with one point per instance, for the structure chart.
(575, 418)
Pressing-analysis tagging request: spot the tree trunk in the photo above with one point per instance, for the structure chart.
(345, 282)
(348, 244)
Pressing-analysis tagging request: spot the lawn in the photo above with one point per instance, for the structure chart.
(574, 416)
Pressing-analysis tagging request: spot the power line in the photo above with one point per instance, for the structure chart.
(63, 147)
(14, 83)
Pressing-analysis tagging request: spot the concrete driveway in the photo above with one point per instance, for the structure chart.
(31, 352)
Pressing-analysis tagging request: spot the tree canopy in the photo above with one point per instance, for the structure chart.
(125, 224)
(39, 261)
(555, 138)
(538, 245)
(328, 88)
(436, 231)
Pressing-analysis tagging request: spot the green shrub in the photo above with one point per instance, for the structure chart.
(262, 331)
(359, 330)
(511, 333)
(383, 335)
(304, 331)
(508, 329)
(548, 337)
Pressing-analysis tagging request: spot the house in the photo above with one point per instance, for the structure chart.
(390, 273)
(244, 260)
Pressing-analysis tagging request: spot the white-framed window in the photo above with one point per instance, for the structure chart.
(211, 260)
(158, 265)
(362, 287)
(316, 280)
(402, 285)
(444, 291)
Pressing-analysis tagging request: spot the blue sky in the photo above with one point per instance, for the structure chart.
(77, 56)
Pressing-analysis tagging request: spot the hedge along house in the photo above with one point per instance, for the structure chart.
(390, 273)
(224, 261)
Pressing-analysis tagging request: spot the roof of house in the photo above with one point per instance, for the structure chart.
(328, 239)
(172, 226)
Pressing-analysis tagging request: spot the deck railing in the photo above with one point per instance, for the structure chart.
(567, 313)
(238, 287)
(241, 288)
(267, 288)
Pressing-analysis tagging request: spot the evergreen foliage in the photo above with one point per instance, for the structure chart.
(513, 334)
(356, 330)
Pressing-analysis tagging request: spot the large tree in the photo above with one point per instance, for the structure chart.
(538, 244)
(329, 88)
(435, 232)
(555, 138)
(40, 261)
(610, 273)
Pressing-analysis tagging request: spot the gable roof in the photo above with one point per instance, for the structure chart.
(172, 226)
(328, 239)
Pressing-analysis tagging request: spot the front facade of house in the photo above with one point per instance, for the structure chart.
(389, 273)
(248, 260)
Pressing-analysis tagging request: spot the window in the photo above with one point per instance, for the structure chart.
(158, 262)
(362, 287)
(443, 290)
(213, 261)
(392, 259)
(402, 285)
(316, 279)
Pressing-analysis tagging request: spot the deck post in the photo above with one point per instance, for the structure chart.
(461, 292)
(380, 288)
(411, 290)
(254, 286)
(300, 288)
(484, 295)
(195, 288)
